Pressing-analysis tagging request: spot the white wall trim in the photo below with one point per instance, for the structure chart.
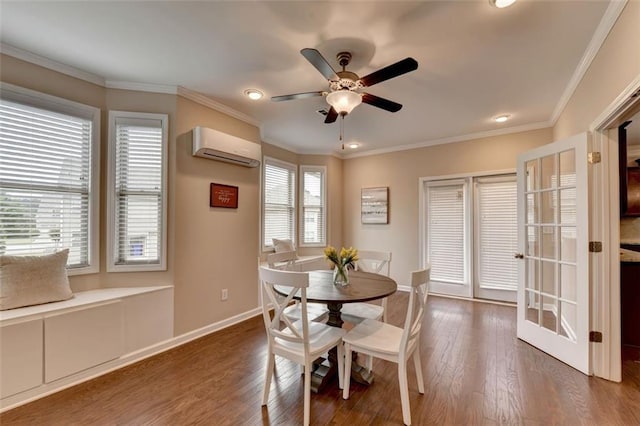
(27, 56)
(208, 102)
(461, 138)
(599, 36)
(619, 105)
(86, 375)
(142, 87)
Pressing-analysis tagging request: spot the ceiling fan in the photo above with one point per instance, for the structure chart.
(344, 86)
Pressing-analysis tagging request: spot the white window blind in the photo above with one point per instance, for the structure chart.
(313, 216)
(47, 182)
(497, 233)
(138, 191)
(446, 232)
(279, 186)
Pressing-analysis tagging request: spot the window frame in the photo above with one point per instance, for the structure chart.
(301, 220)
(292, 167)
(112, 266)
(59, 105)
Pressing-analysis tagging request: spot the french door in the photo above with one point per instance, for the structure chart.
(553, 284)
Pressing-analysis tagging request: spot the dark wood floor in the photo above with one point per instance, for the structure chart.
(476, 372)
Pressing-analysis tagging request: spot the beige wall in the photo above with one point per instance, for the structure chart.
(400, 171)
(214, 248)
(615, 66)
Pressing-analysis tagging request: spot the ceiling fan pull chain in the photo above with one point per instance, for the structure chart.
(341, 126)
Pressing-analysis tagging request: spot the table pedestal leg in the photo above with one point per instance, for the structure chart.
(326, 370)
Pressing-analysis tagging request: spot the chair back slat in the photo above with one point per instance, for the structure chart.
(280, 326)
(287, 258)
(415, 310)
(377, 262)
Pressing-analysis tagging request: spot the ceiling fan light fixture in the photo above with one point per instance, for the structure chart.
(502, 3)
(253, 94)
(344, 101)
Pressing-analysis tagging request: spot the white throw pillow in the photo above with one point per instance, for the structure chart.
(283, 245)
(32, 280)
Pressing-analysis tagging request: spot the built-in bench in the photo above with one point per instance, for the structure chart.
(47, 347)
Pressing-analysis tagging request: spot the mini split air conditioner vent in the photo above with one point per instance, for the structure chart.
(216, 145)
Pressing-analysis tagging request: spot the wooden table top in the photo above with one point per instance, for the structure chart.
(363, 286)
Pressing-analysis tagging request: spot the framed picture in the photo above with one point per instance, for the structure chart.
(374, 207)
(223, 196)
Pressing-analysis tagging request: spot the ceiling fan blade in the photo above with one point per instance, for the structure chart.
(401, 67)
(379, 102)
(321, 64)
(296, 96)
(332, 115)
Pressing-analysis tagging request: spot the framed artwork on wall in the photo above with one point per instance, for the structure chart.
(223, 196)
(374, 205)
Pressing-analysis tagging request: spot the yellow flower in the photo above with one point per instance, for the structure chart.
(346, 257)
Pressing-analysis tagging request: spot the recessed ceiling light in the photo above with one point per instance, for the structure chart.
(253, 94)
(502, 118)
(353, 145)
(502, 3)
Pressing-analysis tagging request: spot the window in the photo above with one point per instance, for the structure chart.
(447, 232)
(314, 213)
(497, 233)
(279, 211)
(137, 192)
(49, 177)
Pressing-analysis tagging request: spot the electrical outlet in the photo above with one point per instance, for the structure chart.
(224, 294)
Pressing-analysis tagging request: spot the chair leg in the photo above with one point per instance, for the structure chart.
(271, 362)
(404, 392)
(347, 371)
(307, 394)
(369, 363)
(418, 366)
(341, 377)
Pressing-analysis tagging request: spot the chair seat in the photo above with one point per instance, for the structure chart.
(315, 311)
(356, 312)
(375, 336)
(322, 337)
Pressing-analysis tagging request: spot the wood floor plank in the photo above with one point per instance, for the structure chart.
(476, 372)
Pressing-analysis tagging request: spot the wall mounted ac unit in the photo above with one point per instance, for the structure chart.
(216, 145)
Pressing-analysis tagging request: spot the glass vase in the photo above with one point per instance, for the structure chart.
(340, 276)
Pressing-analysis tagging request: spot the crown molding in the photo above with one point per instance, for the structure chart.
(599, 36)
(30, 57)
(208, 102)
(462, 138)
(142, 87)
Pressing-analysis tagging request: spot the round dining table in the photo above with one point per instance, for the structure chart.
(362, 287)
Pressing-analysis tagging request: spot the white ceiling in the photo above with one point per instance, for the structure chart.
(475, 61)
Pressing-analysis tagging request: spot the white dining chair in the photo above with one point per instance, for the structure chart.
(377, 262)
(299, 341)
(391, 343)
(286, 261)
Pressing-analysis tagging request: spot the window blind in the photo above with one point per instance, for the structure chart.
(313, 228)
(497, 233)
(446, 232)
(138, 186)
(279, 201)
(45, 182)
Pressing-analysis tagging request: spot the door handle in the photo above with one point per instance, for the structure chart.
(519, 256)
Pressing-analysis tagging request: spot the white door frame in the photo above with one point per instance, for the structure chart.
(604, 226)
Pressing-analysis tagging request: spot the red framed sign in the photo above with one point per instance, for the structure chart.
(223, 196)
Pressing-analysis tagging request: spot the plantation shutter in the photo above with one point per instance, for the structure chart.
(138, 200)
(279, 201)
(446, 232)
(497, 233)
(313, 228)
(45, 182)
